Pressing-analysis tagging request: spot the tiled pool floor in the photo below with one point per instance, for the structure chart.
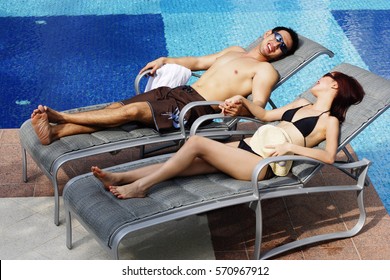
(27, 209)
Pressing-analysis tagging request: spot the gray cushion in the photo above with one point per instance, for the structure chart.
(104, 213)
(45, 155)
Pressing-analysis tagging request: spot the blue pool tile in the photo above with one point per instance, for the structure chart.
(369, 32)
(68, 62)
(76, 8)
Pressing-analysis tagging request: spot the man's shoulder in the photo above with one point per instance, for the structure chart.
(266, 67)
(235, 49)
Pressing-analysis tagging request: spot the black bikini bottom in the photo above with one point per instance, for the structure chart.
(243, 145)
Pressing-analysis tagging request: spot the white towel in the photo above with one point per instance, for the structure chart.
(169, 75)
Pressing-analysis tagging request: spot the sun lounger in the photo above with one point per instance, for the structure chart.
(110, 219)
(51, 157)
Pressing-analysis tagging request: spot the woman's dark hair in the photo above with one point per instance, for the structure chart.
(294, 37)
(349, 92)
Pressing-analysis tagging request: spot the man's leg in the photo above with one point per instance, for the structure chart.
(87, 122)
(106, 117)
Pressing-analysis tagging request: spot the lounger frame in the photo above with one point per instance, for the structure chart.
(79, 190)
(254, 196)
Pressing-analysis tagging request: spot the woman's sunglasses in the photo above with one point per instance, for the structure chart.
(329, 75)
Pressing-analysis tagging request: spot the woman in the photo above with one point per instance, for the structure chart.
(303, 125)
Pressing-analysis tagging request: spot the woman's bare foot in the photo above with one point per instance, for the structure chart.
(128, 191)
(42, 127)
(107, 178)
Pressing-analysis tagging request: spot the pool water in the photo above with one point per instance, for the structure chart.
(68, 54)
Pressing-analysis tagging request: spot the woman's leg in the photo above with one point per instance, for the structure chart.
(198, 156)
(123, 178)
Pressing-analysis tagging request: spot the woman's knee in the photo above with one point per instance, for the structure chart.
(194, 139)
(196, 142)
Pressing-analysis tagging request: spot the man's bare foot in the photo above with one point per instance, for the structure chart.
(42, 128)
(127, 191)
(107, 178)
(53, 115)
(41, 109)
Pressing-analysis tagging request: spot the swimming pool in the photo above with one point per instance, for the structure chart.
(75, 53)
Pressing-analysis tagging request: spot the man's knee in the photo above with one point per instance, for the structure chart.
(137, 111)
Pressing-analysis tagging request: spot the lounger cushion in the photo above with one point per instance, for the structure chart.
(104, 213)
(45, 155)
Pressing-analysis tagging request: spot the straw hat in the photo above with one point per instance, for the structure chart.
(271, 135)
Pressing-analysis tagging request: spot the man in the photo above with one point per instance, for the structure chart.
(232, 71)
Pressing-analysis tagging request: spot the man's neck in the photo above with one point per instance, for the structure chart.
(256, 54)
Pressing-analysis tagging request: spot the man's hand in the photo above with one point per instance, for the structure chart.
(153, 65)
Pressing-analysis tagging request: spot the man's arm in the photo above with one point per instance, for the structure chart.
(193, 63)
(264, 81)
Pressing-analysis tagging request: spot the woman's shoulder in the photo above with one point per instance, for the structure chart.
(332, 121)
(300, 102)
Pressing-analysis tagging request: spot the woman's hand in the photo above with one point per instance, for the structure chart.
(279, 150)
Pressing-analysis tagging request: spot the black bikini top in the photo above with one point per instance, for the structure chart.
(304, 125)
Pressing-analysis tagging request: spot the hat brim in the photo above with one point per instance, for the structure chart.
(270, 135)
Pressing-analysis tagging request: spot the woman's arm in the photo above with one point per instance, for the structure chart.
(259, 112)
(327, 155)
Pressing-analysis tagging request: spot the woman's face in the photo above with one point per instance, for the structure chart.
(326, 83)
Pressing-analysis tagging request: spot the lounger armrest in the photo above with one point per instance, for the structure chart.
(87, 108)
(138, 79)
(188, 107)
(195, 126)
(361, 164)
(232, 120)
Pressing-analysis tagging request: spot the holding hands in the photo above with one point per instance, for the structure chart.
(232, 106)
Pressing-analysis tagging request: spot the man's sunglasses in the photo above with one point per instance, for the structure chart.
(279, 39)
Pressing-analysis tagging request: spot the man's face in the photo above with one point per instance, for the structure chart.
(275, 45)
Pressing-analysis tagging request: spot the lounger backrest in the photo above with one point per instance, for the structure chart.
(306, 52)
(359, 116)
(375, 102)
